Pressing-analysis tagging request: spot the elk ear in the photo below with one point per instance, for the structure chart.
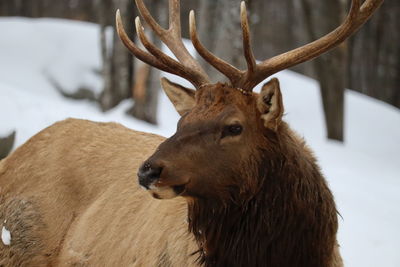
(270, 104)
(181, 97)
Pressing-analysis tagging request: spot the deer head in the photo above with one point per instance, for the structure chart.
(226, 131)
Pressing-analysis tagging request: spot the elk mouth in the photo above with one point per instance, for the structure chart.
(160, 191)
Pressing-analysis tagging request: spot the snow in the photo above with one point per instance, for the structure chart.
(363, 173)
(5, 236)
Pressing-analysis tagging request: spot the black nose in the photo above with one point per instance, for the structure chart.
(148, 173)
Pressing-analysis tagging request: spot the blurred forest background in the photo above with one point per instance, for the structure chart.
(369, 62)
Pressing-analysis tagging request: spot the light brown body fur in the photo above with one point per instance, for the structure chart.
(89, 210)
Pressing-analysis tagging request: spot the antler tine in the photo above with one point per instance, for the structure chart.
(162, 62)
(357, 16)
(224, 67)
(354, 8)
(175, 16)
(172, 38)
(248, 52)
(139, 53)
(165, 59)
(368, 8)
(149, 19)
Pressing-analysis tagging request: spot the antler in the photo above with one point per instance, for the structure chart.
(256, 73)
(187, 67)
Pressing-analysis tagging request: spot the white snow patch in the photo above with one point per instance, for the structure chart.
(5, 235)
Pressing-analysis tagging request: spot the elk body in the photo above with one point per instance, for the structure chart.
(234, 186)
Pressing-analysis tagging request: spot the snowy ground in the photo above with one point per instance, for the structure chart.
(364, 173)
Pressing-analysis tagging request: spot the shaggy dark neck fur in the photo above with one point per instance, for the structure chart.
(291, 221)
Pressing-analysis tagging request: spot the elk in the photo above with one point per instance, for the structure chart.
(234, 186)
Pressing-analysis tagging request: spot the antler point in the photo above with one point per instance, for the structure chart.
(243, 5)
(191, 16)
(192, 22)
(138, 24)
(118, 21)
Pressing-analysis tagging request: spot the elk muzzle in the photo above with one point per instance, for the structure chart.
(149, 174)
(153, 177)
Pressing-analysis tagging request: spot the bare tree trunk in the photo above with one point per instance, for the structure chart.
(117, 62)
(378, 73)
(147, 79)
(277, 27)
(220, 31)
(145, 91)
(106, 51)
(330, 68)
(331, 72)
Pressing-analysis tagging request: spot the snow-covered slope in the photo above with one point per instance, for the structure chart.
(364, 172)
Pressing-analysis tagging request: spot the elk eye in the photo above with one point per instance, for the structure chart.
(232, 130)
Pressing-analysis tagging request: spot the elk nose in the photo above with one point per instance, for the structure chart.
(148, 173)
